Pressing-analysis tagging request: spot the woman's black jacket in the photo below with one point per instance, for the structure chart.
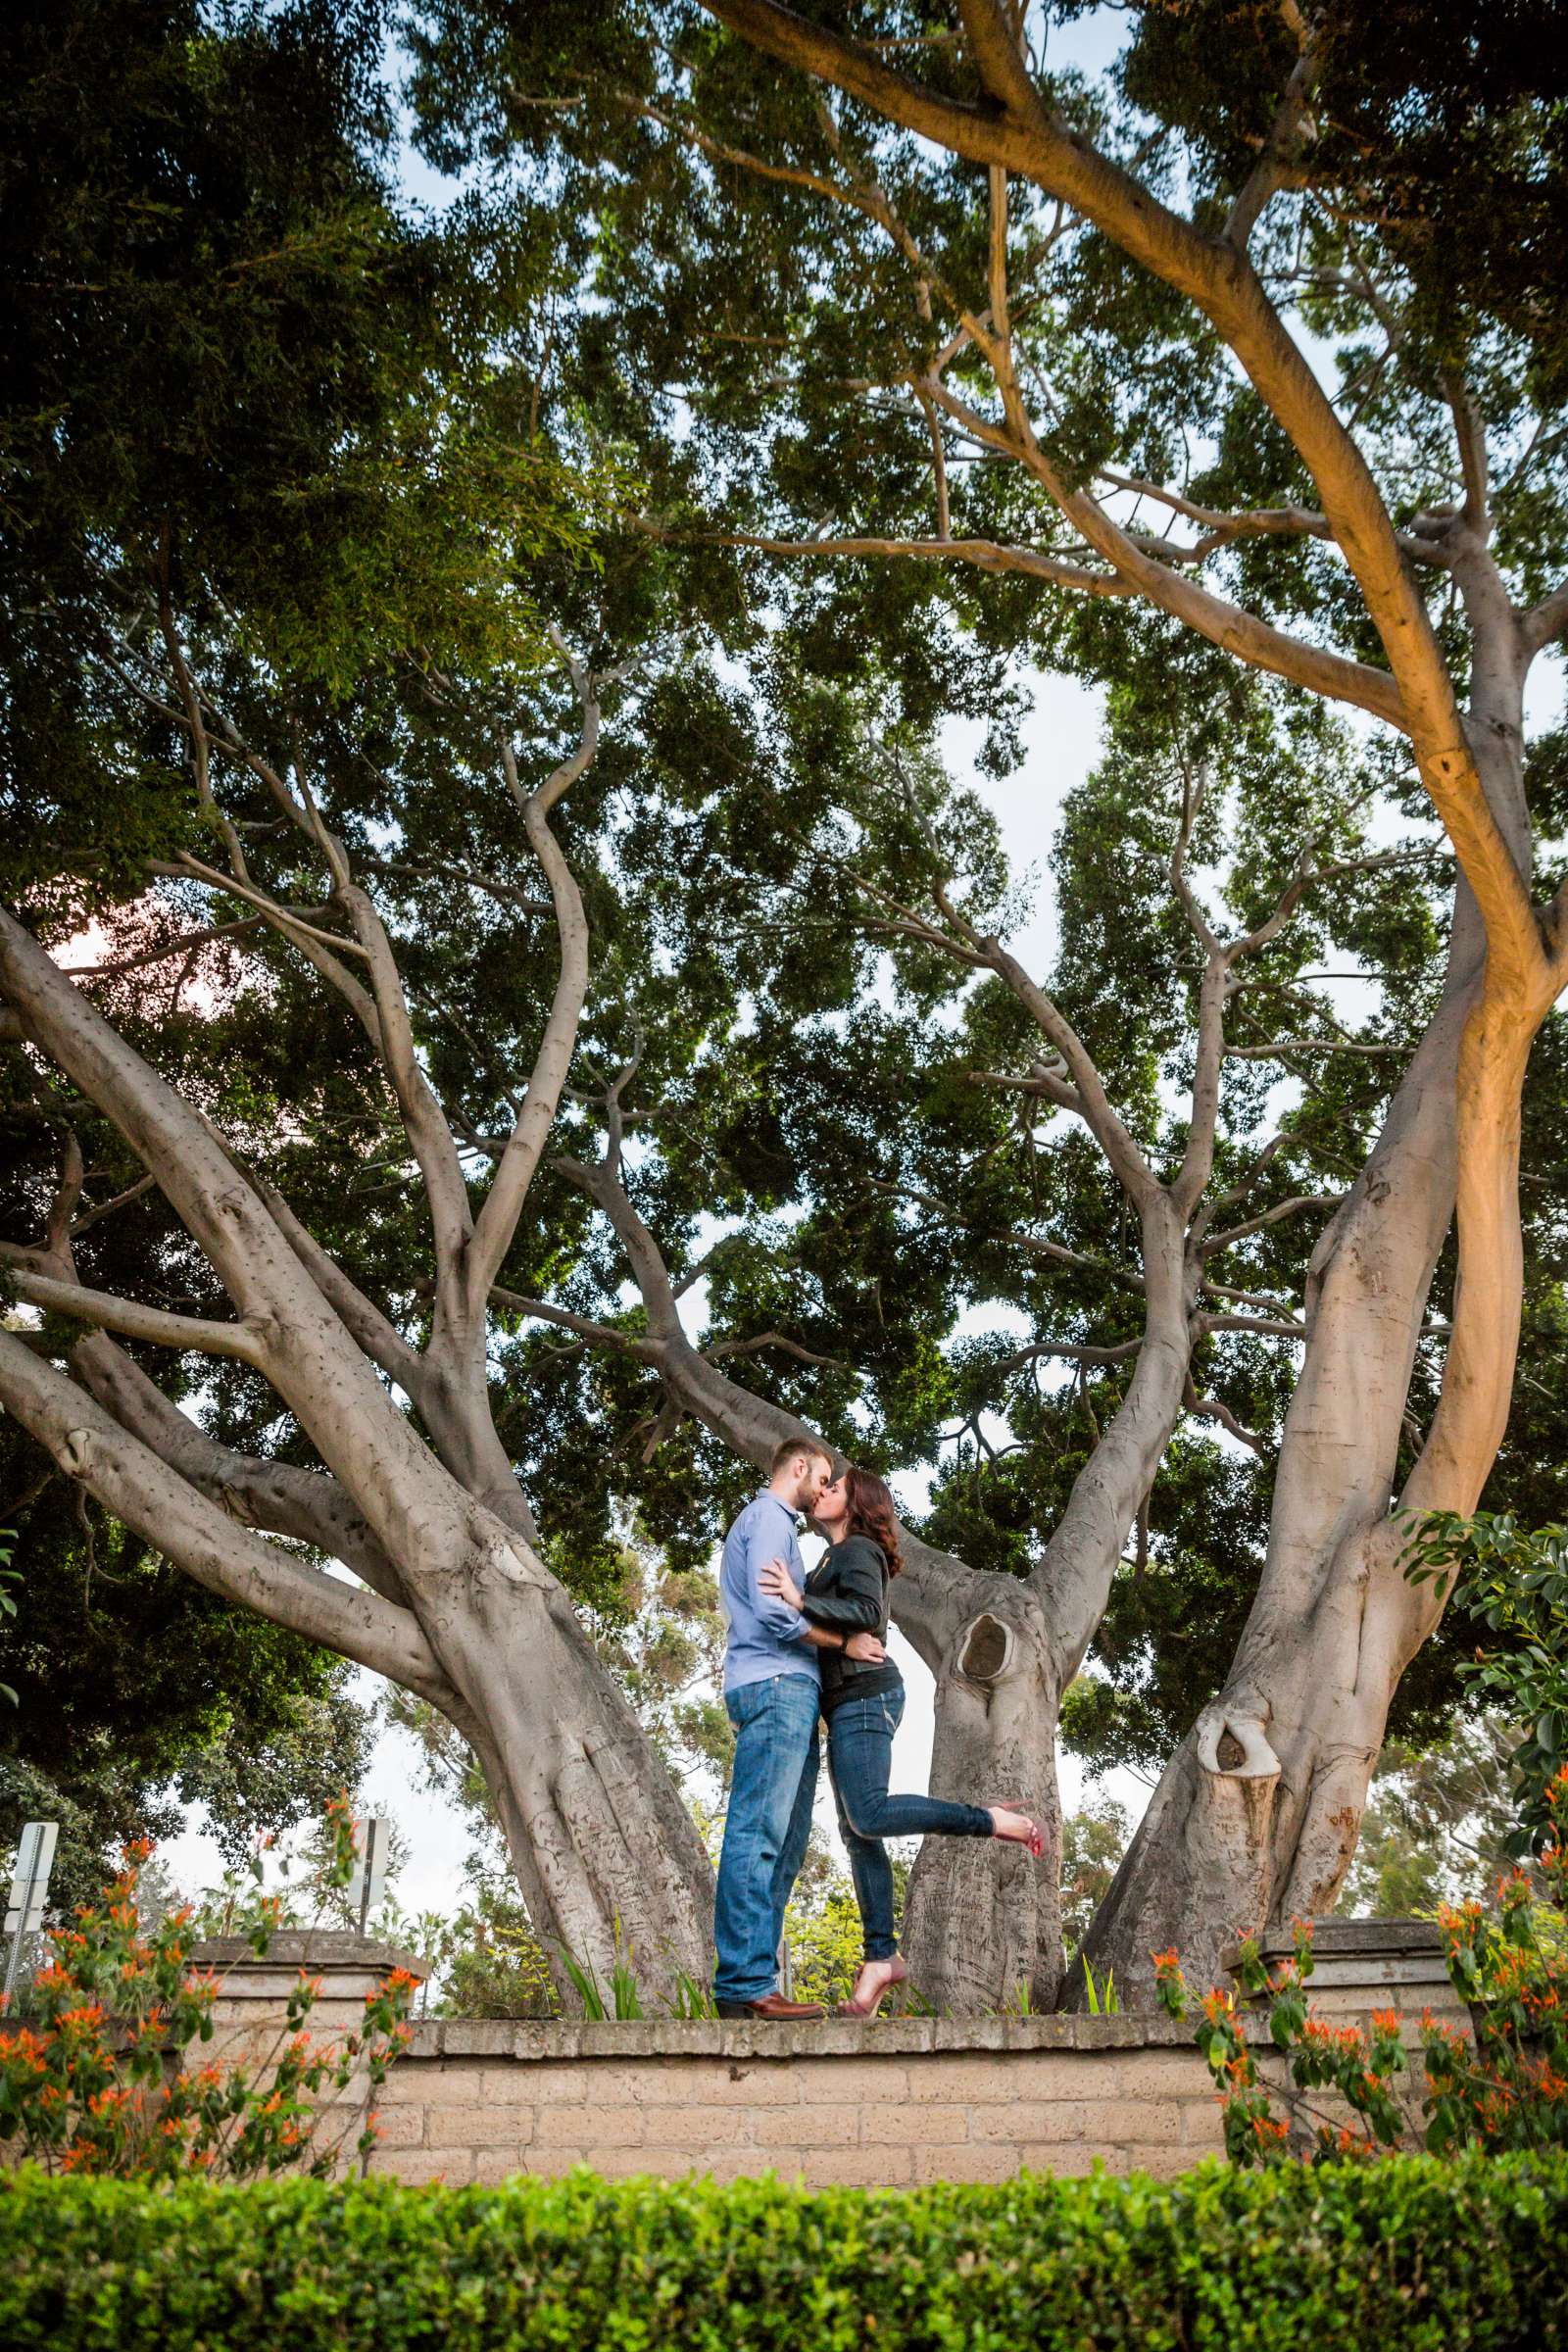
(848, 1592)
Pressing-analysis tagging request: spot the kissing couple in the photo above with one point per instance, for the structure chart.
(805, 1652)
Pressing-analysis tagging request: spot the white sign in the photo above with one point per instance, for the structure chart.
(372, 1842)
(29, 1880)
(29, 1884)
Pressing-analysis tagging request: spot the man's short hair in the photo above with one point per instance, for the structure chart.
(786, 1454)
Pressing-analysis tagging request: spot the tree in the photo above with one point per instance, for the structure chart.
(1094, 1841)
(1436, 1825)
(381, 1282)
(277, 543)
(1514, 1583)
(1257, 352)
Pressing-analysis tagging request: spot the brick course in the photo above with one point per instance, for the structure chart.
(887, 2104)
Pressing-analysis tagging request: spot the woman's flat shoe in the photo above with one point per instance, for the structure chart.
(853, 2008)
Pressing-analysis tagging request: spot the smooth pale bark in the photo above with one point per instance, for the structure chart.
(979, 1926)
(983, 1922)
(1255, 1819)
(129, 1480)
(1206, 1860)
(451, 1380)
(596, 1830)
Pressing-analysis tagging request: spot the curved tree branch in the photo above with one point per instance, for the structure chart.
(129, 1316)
(520, 1158)
(1014, 127)
(280, 1500)
(143, 1491)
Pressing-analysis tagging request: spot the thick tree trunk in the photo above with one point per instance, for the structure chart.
(983, 1921)
(1215, 1851)
(604, 1849)
(459, 1605)
(1256, 1817)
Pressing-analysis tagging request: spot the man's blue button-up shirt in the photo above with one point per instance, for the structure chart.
(766, 1636)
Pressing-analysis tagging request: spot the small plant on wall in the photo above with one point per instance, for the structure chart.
(1507, 2087)
(100, 2074)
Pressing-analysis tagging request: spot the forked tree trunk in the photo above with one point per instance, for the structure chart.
(608, 1857)
(1256, 1817)
(458, 1605)
(983, 1921)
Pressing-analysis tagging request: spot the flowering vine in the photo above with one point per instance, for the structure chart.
(98, 2076)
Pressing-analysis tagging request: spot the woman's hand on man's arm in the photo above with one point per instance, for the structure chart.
(864, 1648)
(774, 1577)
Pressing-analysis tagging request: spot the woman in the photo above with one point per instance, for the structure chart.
(846, 1592)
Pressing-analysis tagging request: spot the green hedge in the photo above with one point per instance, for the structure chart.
(1409, 2255)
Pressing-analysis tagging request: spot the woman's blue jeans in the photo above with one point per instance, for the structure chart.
(765, 1829)
(859, 1755)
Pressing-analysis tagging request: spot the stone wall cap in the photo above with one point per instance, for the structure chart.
(1350, 1939)
(312, 1948)
(753, 2041)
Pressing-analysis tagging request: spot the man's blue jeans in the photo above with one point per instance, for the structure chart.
(859, 1755)
(765, 1829)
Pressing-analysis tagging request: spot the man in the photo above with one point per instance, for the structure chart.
(771, 1694)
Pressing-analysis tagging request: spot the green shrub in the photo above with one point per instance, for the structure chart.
(1413, 2255)
(1515, 1580)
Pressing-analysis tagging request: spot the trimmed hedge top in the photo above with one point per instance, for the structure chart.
(1408, 2255)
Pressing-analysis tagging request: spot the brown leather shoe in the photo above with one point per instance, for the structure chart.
(775, 2006)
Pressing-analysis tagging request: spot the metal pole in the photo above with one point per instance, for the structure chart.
(373, 1829)
(372, 1840)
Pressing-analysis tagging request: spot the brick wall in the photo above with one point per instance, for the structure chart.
(888, 2103)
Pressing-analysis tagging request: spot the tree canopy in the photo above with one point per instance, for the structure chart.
(478, 706)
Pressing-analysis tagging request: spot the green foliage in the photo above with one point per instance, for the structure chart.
(1094, 1840)
(1438, 1822)
(753, 342)
(140, 1694)
(281, 400)
(94, 2078)
(490, 1961)
(693, 2000)
(1515, 1581)
(660, 1632)
(623, 2000)
(1101, 1999)
(353, 460)
(1414, 2257)
(826, 1941)
(1504, 2087)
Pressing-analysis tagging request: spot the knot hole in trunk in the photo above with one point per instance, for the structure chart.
(985, 1651)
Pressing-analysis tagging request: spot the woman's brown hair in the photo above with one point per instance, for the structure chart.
(873, 1512)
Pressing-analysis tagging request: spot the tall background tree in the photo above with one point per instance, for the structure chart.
(288, 560)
